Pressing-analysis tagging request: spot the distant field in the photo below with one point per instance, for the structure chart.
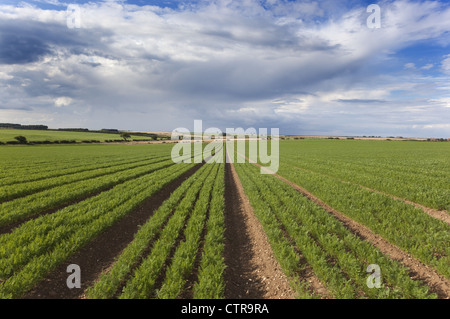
(38, 135)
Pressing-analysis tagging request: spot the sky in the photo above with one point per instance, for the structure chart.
(331, 67)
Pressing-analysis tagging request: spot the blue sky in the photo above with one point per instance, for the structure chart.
(305, 67)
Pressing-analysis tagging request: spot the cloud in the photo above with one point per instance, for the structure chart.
(360, 101)
(16, 48)
(427, 66)
(226, 62)
(63, 101)
(412, 66)
(445, 65)
(15, 108)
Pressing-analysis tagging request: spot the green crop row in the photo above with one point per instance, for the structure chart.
(35, 248)
(430, 191)
(109, 282)
(142, 283)
(402, 224)
(22, 189)
(182, 263)
(315, 256)
(25, 164)
(414, 171)
(210, 284)
(40, 234)
(33, 172)
(20, 208)
(338, 257)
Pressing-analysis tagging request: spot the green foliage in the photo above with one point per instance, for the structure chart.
(402, 224)
(210, 284)
(338, 257)
(21, 139)
(196, 206)
(142, 283)
(125, 136)
(30, 251)
(109, 282)
(417, 171)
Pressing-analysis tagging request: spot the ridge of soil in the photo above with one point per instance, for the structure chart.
(100, 253)
(252, 271)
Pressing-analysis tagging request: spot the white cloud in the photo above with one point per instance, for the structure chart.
(445, 101)
(434, 126)
(427, 66)
(5, 76)
(445, 65)
(63, 101)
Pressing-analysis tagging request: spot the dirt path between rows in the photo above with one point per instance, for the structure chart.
(419, 271)
(252, 270)
(100, 253)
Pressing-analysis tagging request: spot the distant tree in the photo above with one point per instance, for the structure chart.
(125, 136)
(21, 139)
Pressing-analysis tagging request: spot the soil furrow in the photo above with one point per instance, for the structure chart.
(252, 270)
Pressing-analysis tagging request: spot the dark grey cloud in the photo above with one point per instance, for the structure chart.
(20, 48)
(6, 107)
(25, 41)
(92, 64)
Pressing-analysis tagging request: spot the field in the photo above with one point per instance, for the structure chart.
(340, 219)
(7, 135)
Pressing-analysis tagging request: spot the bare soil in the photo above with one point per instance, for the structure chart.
(100, 253)
(252, 270)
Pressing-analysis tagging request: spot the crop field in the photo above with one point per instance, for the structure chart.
(7, 135)
(349, 219)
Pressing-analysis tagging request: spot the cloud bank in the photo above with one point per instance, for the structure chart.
(306, 67)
